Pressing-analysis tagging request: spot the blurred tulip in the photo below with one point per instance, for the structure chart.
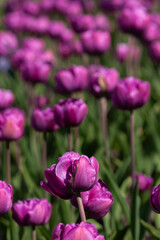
(82, 23)
(96, 41)
(70, 112)
(32, 212)
(103, 82)
(66, 49)
(11, 124)
(97, 201)
(144, 182)
(113, 5)
(102, 22)
(154, 199)
(6, 197)
(41, 101)
(70, 80)
(125, 51)
(8, 43)
(131, 93)
(33, 43)
(154, 50)
(78, 47)
(6, 98)
(73, 173)
(85, 231)
(31, 7)
(15, 21)
(43, 120)
(56, 29)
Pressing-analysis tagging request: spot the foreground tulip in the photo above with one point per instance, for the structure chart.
(6, 98)
(154, 199)
(70, 80)
(73, 173)
(6, 197)
(82, 231)
(31, 212)
(144, 182)
(97, 201)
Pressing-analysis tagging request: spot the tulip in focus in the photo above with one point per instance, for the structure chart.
(73, 173)
(32, 212)
(6, 99)
(70, 112)
(144, 182)
(43, 120)
(11, 124)
(6, 197)
(97, 201)
(83, 231)
(131, 93)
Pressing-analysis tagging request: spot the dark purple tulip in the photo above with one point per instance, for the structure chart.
(32, 212)
(155, 199)
(103, 82)
(11, 124)
(66, 49)
(30, 7)
(70, 112)
(102, 22)
(56, 29)
(73, 173)
(75, 8)
(23, 55)
(15, 21)
(144, 182)
(82, 231)
(124, 52)
(112, 5)
(33, 43)
(82, 23)
(154, 50)
(8, 43)
(40, 101)
(97, 201)
(47, 6)
(131, 93)
(43, 120)
(70, 80)
(6, 197)
(133, 20)
(6, 98)
(96, 41)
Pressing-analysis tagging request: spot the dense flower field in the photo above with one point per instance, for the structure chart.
(79, 120)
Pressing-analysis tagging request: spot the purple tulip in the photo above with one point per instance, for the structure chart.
(96, 41)
(124, 52)
(66, 49)
(133, 20)
(11, 124)
(70, 80)
(103, 82)
(70, 112)
(8, 43)
(56, 29)
(74, 9)
(40, 101)
(47, 6)
(82, 231)
(33, 43)
(113, 5)
(82, 23)
(32, 212)
(131, 93)
(73, 173)
(7, 98)
(144, 182)
(102, 22)
(97, 201)
(41, 25)
(67, 35)
(6, 197)
(151, 32)
(30, 7)
(78, 47)
(43, 120)
(154, 199)
(88, 5)
(154, 50)
(15, 21)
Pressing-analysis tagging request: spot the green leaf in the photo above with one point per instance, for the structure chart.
(135, 213)
(119, 234)
(44, 232)
(152, 230)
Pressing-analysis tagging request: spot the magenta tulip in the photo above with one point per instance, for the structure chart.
(6, 197)
(144, 182)
(33, 43)
(154, 199)
(8, 43)
(6, 98)
(124, 52)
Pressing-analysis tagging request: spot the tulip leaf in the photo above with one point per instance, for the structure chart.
(44, 232)
(108, 176)
(121, 172)
(152, 230)
(135, 213)
(118, 234)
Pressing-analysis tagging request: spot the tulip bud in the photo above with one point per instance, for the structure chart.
(84, 230)
(73, 173)
(6, 99)
(154, 199)
(144, 182)
(70, 112)
(11, 124)
(43, 120)
(97, 201)
(6, 197)
(131, 93)
(32, 212)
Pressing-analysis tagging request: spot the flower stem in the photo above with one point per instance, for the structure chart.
(132, 147)
(76, 139)
(33, 233)
(8, 162)
(44, 151)
(81, 209)
(69, 139)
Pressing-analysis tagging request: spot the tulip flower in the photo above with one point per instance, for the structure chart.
(33, 43)
(85, 231)
(113, 5)
(82, 23)
(73, 173)
(144, 182)
(129, 94)
(154, 199)
(154, 50)
(8, 43)
(70, 80)
(124, 52)
(102, 22)
(6, 197)
(97, 201)
(6, 99)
